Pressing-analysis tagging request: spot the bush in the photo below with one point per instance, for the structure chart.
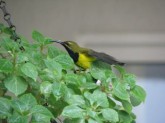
(43, 83)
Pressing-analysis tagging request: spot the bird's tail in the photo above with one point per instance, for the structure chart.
(120, 63)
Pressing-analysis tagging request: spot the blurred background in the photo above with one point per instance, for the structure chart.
(133, 31)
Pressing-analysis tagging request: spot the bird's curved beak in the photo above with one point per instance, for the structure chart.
(58, 41)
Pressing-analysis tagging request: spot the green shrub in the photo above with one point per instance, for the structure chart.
(43, 83)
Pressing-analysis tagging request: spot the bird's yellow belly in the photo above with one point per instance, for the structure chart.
(85, 61)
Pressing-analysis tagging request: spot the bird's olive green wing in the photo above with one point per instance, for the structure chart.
(104, 57)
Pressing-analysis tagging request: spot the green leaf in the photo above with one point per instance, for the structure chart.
(24, 103)
(77, 120)
(134, 101)
(15, 84)
(72, 79)
(65, 61)
(55, 67)
(16, 118)
(76, 100)
(89, 85)
(53, 51)
(47, 75)
(59, 90)
(127, 106)
(34, 85)
(137, 95)
(97, 70)
(5, 107)
(9, 44)
(29, 99)
(40, 114)
(58, 105)
(120, 91)
(35, 57)
(130, 79)
(112, 103)
(1, 26)
(37, 36)
(110, 115)
(124, 117)
(92, 121)
(94, 115)
(99, 98)
(72, 111)
(30, 70)
(5, 66)
(120, 69)
(22, 57)
(46, 88)
(8, 31)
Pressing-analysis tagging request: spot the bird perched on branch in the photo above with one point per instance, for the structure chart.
(84, 57)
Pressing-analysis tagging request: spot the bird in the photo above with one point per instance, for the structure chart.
(84, 57)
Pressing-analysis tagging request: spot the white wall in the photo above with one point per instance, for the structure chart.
(65, 19)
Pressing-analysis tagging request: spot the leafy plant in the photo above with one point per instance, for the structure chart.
(42, 84)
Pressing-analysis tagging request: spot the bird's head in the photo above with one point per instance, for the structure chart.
(68, 45)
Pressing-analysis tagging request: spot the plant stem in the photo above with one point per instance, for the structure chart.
(14, 61)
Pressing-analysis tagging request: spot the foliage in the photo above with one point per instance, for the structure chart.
(43, 83)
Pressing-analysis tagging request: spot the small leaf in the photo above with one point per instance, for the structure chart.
(40, 114)
(94, 115)
(53, 51)
(120, 91)
(34, 57)
(97, 71)
(76, 100)
(124, 117)
(22, 57)
(55, 67)
(130, 79)
(17, 118)
(100, 98)
(9, 44)
(72, 111)
(65, 61)
(5, 66)
(46, 88)
(89, 85)
(30, 70)
(29, 99)
(47, 75)
(134, 101)
(110, 115)
(92, 121)
(72, 79)
(77, 120)
(8, 31)
(112, 103)
(24, 103)
(20, 107)
(127, 106)
(120, 69)
(97, 97)
(59, 90)
(5, 107)
(15, 84)
(139, 93)
(37, 36)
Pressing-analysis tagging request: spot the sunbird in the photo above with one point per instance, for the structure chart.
(84, 57)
